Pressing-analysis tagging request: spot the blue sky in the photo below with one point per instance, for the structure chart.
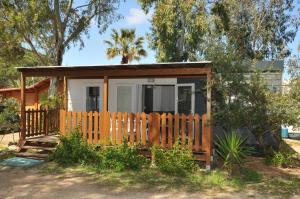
(133, 17)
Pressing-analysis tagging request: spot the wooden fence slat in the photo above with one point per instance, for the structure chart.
(69, 123)
(204, 133)
(120, 134)
(102, 128)
(37, 122)
(131, 127)
(150, 129)
(190, 129)
(74, 120)
(197, 133)
(32, 122)
(96, 119)
(176, 130)
(27, 113)
(41, 121)
(85, 124)
(62, 121)
(90, 133)
(113, 128)
(163, 129)
(107, 127)
(79, 120)
(183, 129)
(170, 130)
(138, 127)
(144, 125)
(125, 127)
(156, 129)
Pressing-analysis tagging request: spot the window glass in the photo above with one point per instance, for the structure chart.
(124, 99)
(92, 98)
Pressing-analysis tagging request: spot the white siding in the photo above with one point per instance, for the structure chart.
(77, 92)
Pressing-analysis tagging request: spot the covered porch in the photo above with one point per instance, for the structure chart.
(121, 104)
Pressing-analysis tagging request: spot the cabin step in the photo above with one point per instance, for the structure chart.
(32, 155)
(50, 149)
(40, 144)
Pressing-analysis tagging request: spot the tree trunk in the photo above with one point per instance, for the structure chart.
(124, 60)
(54, 80)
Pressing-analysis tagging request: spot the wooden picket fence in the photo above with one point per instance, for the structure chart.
(41, 122)
(107, 128)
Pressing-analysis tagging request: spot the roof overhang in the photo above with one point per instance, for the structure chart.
(121, 70)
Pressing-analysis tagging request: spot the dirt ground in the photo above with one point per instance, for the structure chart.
(8, 138)
(31, 184)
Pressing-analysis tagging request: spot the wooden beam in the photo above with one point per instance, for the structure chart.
(65, 93)
(36, 100)
(23, 104)
(209, 123)
(115, 73)
(105, 94)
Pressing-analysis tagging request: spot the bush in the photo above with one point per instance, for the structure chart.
(121, 158)
(176, 161)
(281, 159)
(232, 150)
(250, 175)
(9, 117)
(74, 149)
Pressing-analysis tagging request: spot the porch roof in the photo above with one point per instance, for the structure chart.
(122, 70)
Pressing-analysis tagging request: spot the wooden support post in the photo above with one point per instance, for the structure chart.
(209, 123)
(65, 93)
(23, 104)
(105, 94)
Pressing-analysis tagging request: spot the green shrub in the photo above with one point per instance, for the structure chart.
(176, 161)
(232, 150)
(74, 149)
(121, 158)
(250, 175)
(281, 159)
(9, 118)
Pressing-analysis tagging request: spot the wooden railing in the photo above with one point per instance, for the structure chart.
(145, 129)
(41, 122)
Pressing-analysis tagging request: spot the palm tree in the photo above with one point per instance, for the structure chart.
(125, 44)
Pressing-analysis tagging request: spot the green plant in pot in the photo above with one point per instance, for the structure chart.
(233, 151)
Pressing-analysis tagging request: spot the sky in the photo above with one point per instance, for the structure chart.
(93, 52)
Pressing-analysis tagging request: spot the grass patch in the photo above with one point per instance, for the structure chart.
(249, 175)
(279, 186)
(149, 179)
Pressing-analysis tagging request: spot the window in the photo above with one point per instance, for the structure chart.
(124, 98)
(158, 98)
(92, 98)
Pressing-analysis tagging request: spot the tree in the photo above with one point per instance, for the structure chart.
(255, 29)
(50, 27)
(125, 44)
(178, 28)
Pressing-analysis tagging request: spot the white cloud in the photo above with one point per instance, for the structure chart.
(137, 16)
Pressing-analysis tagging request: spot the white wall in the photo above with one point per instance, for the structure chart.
(77, 91)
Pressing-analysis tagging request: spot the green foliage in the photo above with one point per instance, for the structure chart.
(232, 150)
(121, 158)
(250, 175)
(176, 161)
(281, 159)
(178, 28)
(52, 102)
(9, 118)
(48, 28)
(74, 149)
(125, 44)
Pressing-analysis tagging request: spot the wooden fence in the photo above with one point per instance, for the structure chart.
(41, 122)
(145, 129)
